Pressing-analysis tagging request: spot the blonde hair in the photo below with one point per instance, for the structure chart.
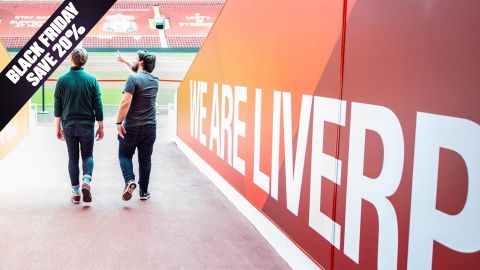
(79, 57)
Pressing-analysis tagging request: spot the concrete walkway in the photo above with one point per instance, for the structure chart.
(187, 224)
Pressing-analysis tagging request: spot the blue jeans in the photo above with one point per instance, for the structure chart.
(141, 138)
(79, 138)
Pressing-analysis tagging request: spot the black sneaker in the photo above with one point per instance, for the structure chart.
(128, 191)
(144, 195)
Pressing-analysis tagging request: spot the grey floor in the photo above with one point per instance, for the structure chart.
(187, 224)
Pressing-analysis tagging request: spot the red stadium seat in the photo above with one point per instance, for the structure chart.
(185, 42)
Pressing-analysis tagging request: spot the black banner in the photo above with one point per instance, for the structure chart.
(47, 49)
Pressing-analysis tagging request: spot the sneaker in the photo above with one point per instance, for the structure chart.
(144, 195)
(128, 191)
(87, 196)
(75, 198)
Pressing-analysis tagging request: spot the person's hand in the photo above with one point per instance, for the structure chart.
(121, 131)
(99, 134)
(60, 134)
(121, 58)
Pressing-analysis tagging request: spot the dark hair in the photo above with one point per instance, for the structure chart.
(79, 57)
(148, 60)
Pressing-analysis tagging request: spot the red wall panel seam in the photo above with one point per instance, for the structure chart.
(340, 97)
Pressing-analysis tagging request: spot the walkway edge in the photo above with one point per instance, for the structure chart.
(290, 252)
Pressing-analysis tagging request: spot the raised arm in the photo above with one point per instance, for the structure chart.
(122, 59)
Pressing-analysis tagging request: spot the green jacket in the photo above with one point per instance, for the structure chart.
(78, 99)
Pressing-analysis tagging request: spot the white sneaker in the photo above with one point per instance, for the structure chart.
(128, 191)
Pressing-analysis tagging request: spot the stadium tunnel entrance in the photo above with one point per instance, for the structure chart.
(111, 75)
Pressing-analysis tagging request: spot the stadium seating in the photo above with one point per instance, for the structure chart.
(14, 42)
(192, 6)
(188, 28)
(185, 42)
(122, 42)
(28, 6)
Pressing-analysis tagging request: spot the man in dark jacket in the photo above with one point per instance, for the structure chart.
(78, 104)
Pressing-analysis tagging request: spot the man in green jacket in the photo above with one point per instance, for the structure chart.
(78, 104)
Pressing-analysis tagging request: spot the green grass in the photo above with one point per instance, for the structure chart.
(103, 66)
(99, 74)
(111, 96)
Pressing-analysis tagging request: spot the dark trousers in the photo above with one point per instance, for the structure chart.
(79, 139)
(141, 138)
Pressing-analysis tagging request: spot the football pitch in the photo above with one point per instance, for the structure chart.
(103, 66)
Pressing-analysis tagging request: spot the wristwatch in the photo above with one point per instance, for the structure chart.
(119, 123)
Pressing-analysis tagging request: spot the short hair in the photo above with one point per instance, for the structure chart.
(79, 57)
(148, 60)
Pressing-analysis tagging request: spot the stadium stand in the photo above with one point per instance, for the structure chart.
(191, 5)
(126, 24)
(125, 42)
(185, 42)
(190, 19)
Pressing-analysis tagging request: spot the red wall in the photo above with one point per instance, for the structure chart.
(368, 117)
